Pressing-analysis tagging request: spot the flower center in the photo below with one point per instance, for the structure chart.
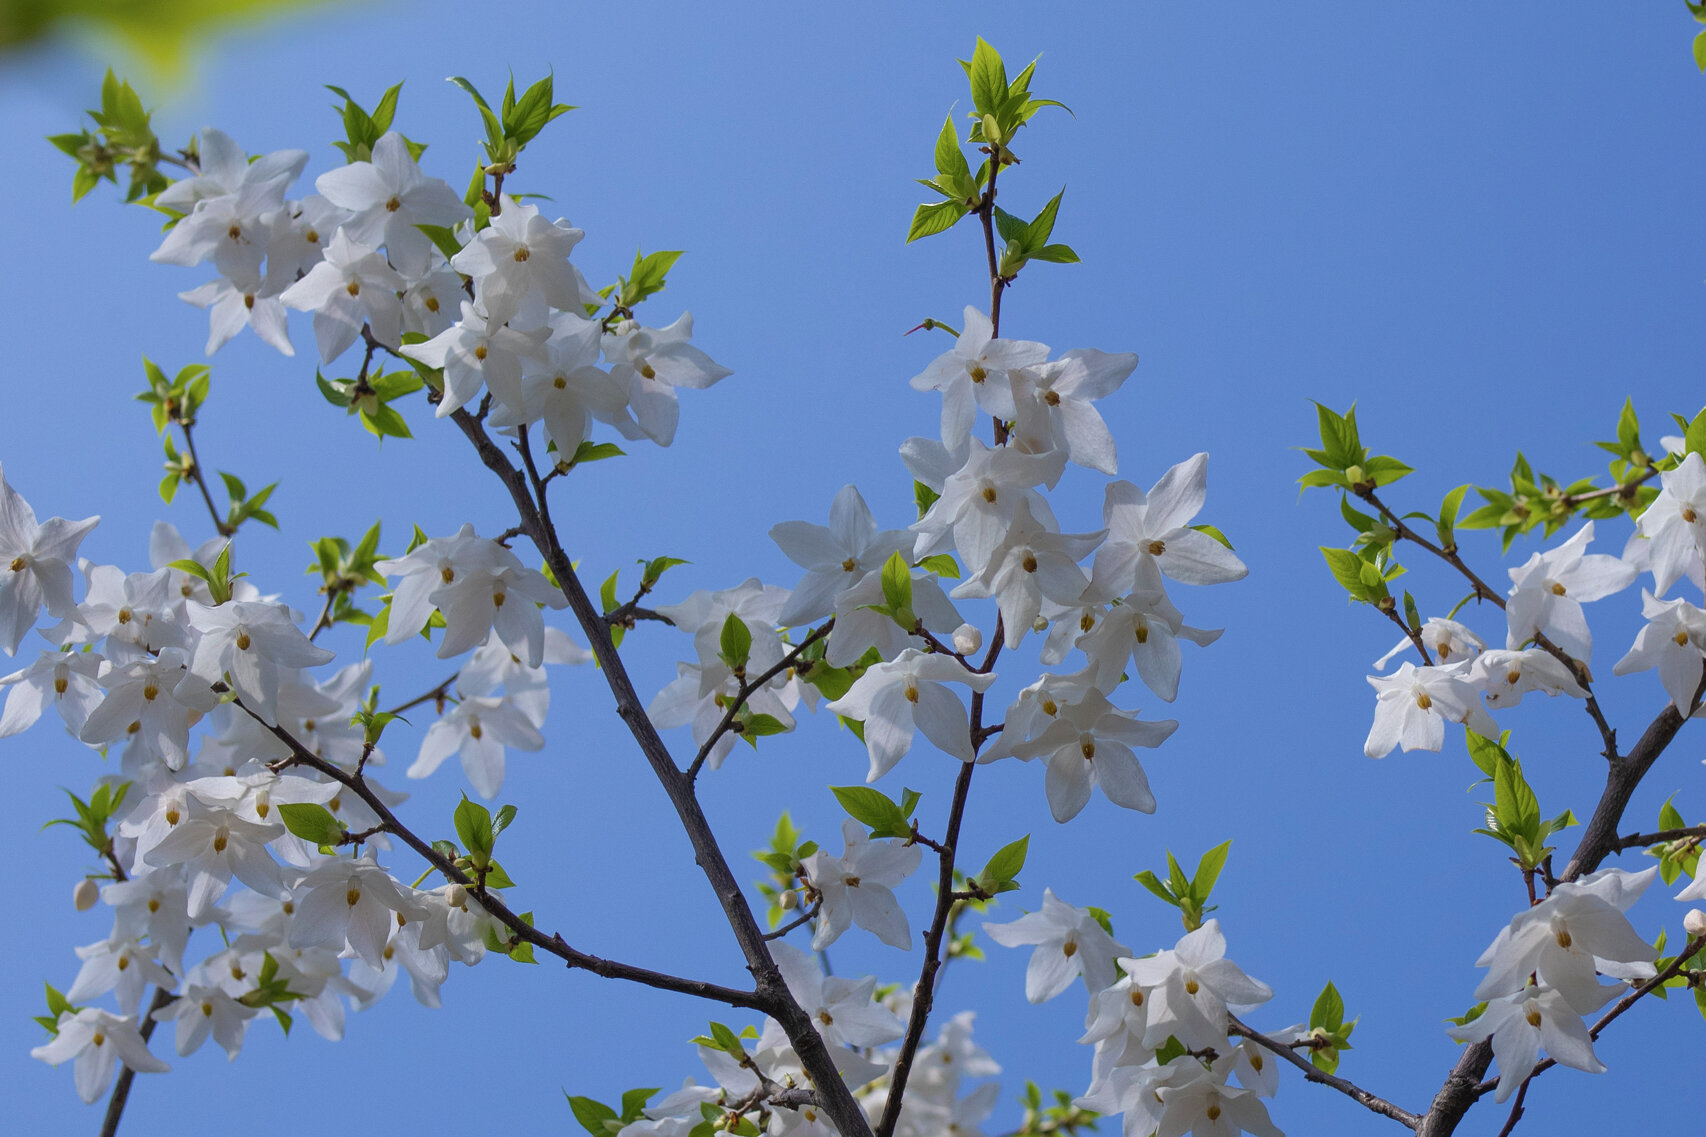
(1688, 514)
(1069, 948)
(150, 692)
(1681, 638)
(393, 205)
(1424, 700)
(353, 288)
(1156, 548)
(1052, 398)
(313, 236)
(353, 896)
(18, 563)
(243, 641)
(1533, 1016)
(849, 565)
(1029, 563)
(560, 382)
(1141, 631)
(977, 373)
(480, 352)
(447, 574)
(522, 252)
(249, 300)
(648, 370)
(431, 303)
(1557, 589)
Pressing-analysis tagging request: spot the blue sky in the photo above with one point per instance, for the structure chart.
(1480, 224)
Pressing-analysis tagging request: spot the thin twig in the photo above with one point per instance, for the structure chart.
(121, 1088)
(747, 688)
(1350, 1089)
(200, 481)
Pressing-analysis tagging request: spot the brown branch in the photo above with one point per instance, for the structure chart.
(772, 993)
(518, 928)
(924, 991)
(747, 688)
(1662, 837)
(200, 481)
(1676, 966)
(121, 1087)
(1350, 1089)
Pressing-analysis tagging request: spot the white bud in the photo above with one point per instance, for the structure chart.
(1695, 922)
(83, 897)
(456, 896)
(967, 639)
(789, 900)
(1039, 625)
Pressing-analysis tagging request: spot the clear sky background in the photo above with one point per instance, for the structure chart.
(1480, 222)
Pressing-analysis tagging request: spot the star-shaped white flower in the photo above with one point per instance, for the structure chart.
(1069, 943)
(1549, 589)
(907, 694)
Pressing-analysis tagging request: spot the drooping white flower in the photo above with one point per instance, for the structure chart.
(249, 641)
(842, 1010)
(1549, 589)
(1032, 562)
(1413, 705)
(98, 1039)
(1578, 932)
(835, 557)
(520, 252)
(1672, 641)
(1089, 744)
(1191, 986)
(1069, 943)
(479, 730)
(1449, 641)
(35, 565)
(389, 197)
(1504, 677)
(650, 363)
(856, 887)
(1520, 1024)
(1053, 405)
(1154, 529)
(1675, 524)
(351, 901)
(976, 373)
(352, 286)
(201, 1011)
(907, 694)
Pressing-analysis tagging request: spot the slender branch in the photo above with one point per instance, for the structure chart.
(1485, 591)
(121, 1087)
(772, 991)
(747, 687)
(799, 921)
(1350, 1089)
(200, 481)
(1415, 636)
(517, 927)
(1516, 1108)
(924, 991)
(324, 619)
(433, 695)
(1675, 968)
(1625, 490)
(1599, 837)
(1662, 837)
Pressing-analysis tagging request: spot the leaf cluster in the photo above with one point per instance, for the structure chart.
(1513, 816)
(362, 128)
(94, 814)
(1328, 1029)
(1189, 895)
(122, 136)
(516, 123)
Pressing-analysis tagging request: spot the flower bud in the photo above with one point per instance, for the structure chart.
(1695, 922)
(83, 897)
(789, 900)
(456, 896)
(967, 639)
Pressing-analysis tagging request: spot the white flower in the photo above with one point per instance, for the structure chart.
(856, 887)
(351, 901)
(201, 1011)
(1090, 744)
(842, 1010)
(1449, 641)
(1578, 931)
(248, 641)
(1672, 642)
(1032, 561)
(1412, 707)
(650, 363)
(390, 197)
(520, 251)
(1154, 529)
(1191, 987)
(478, 729)
(97, 1039)
(1520, 1024)
(35, 565)
(896, 698)
(1069, 943)
(1053, 404)
(353, 285)
(1504, 677)
(1548, 590)
(835, 557)
(976, 374)
(1675, 524)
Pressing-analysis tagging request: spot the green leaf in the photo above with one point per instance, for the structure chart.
(1329, 1010)
(313, 823)
(592, 1115)
(1208, 871)
(1700, 62)
(950, 160)
(502, 820)
(735, 643)
(474, 827)
(1694, 439)
(942, 564)
(924, 497)
(873, 808)
(590, 451)
(988, 79)
(1005, 865)
(1347, 568)
(1153, 883)
(897, 583)
(647, 276)
(933, 218)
